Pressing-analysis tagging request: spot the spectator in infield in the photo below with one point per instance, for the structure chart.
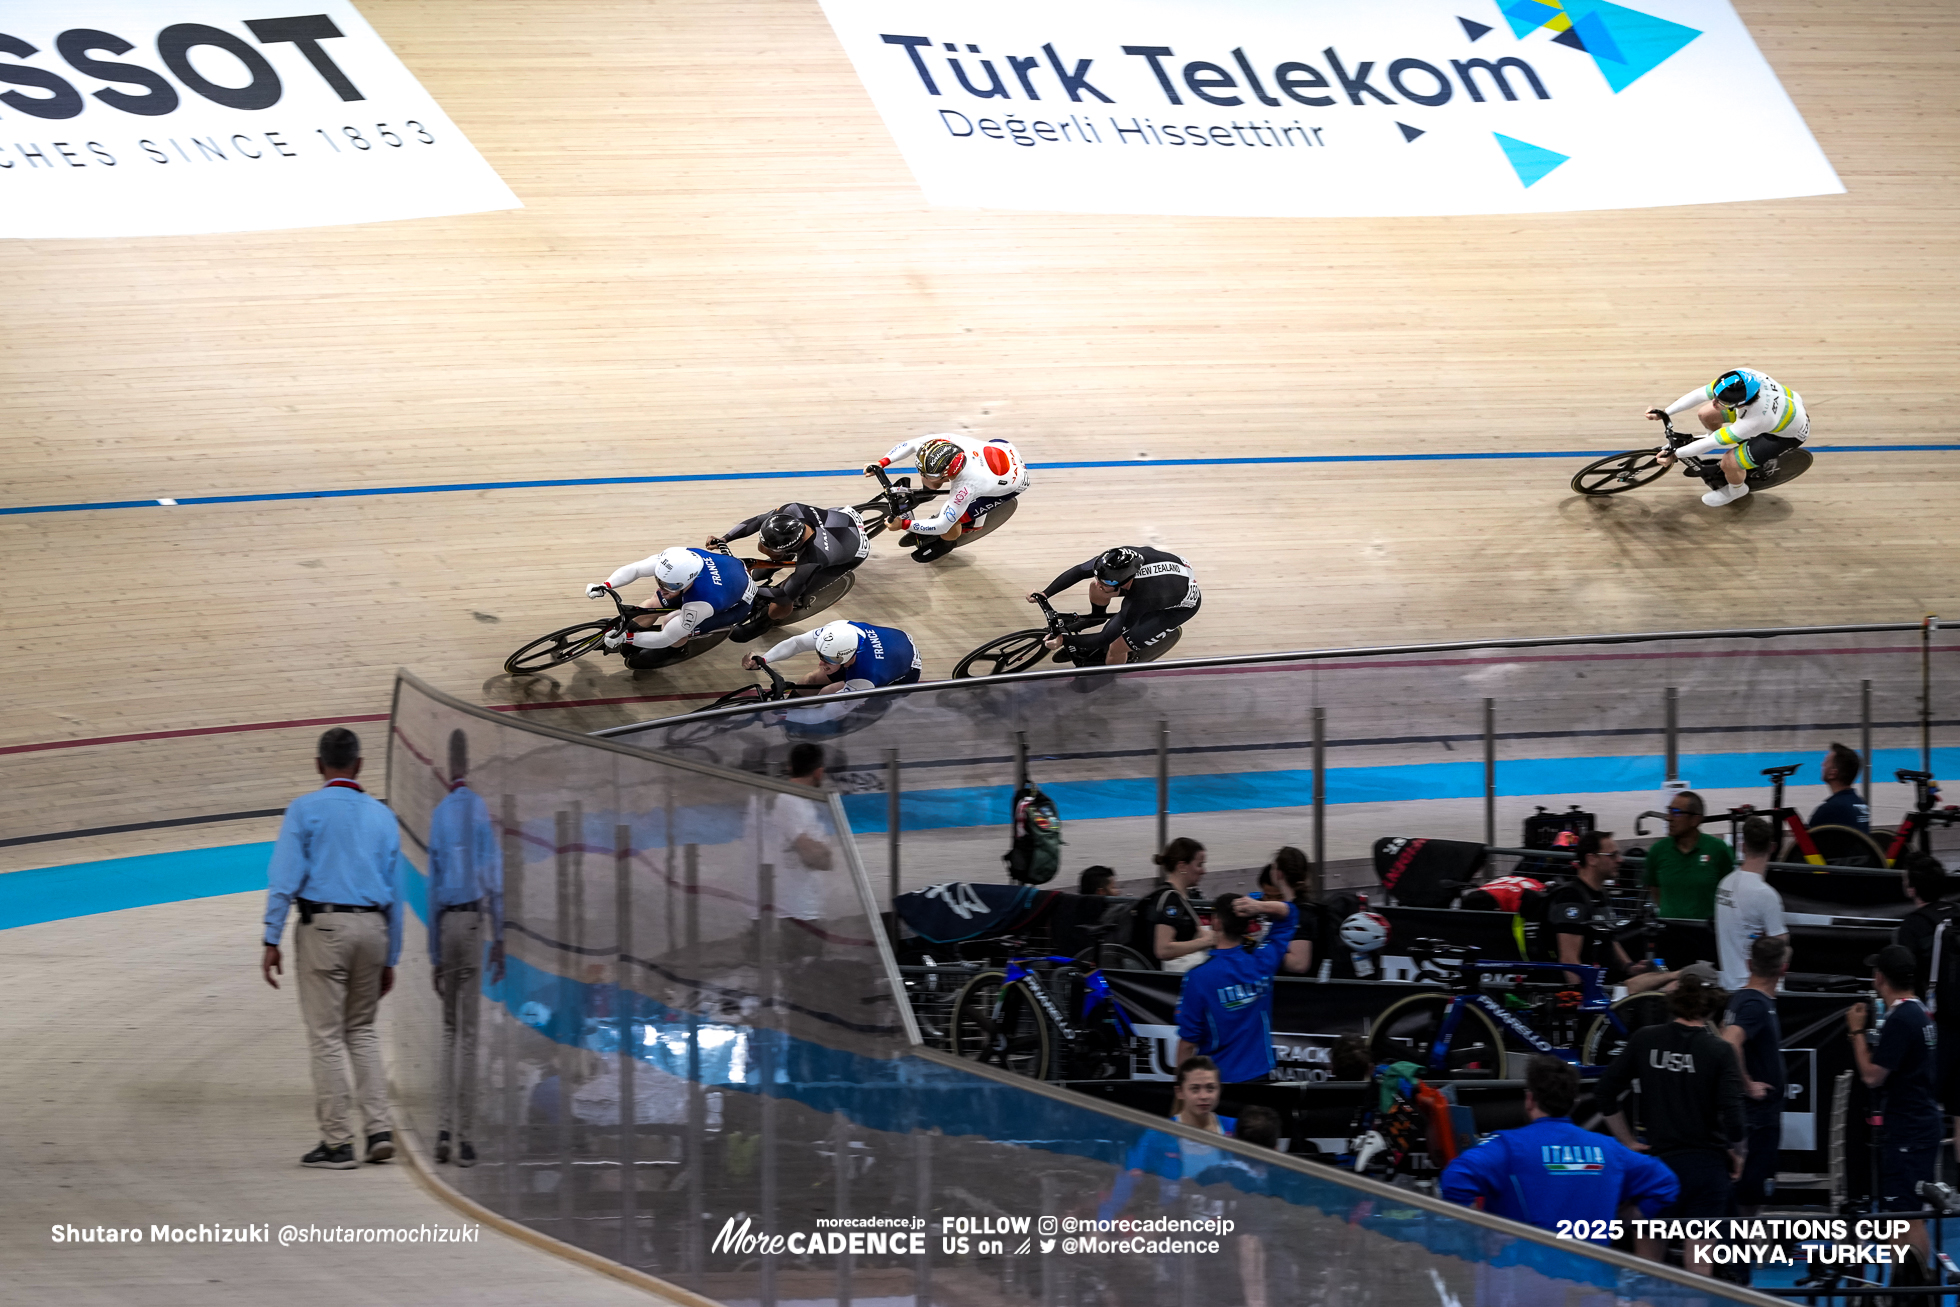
(1291, 878)
(1569, 932)
(1690, 1086)
(1167, 926)
(1685, 865)
(1097, 882)
(1225, 1009)
(1553, 1171)
(1926, 886)
(1844, 807)
(1746, 908)
(1752, 1027)
(1172, 1158)
(1899, 1067)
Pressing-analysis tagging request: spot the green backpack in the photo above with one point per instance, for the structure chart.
(1036, 854)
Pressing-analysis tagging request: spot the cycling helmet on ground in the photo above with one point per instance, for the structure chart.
(837, 643)
(676, 568)
(1735, 387)
(940, 457)
(1116, 567)
(1365, 932)
(781, 533)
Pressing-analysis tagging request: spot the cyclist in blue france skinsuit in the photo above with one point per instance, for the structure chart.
(872, 656)
(710, 590)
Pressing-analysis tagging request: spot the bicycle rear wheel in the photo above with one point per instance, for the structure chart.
(559, 647)
(1618, 473)
(1114, 957)
(824, 596)
(1601, 1043)
(1407, 1028)
(1785, 468)
(1847, 846)
(1014, 652)
(999, 1024)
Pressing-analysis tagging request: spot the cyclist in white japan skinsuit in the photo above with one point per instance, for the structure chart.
(1750, 416)
(976, 476)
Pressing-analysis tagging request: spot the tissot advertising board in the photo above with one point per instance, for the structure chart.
(1329, 108)
(164, 117)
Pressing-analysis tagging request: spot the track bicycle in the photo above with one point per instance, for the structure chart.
(1617, 473)
(1011, 1019)
(576, 641)
(1017, 651)
(898, 498)
(1460, 1034)
(1917, 826)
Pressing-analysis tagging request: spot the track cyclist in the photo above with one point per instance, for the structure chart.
(824, 543)
(976, 477)
(1159, 595)
(711, 591)
(854, 656)
(1750, 417)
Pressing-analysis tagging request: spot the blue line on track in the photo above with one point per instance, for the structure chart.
(184, 501)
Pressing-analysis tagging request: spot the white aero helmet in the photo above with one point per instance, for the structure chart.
(676, 568)
(837, 643)
(1365, 932)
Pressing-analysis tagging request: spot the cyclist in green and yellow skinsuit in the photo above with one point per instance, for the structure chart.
(1751, 418)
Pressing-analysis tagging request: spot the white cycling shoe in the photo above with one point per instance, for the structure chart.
(1726, 495)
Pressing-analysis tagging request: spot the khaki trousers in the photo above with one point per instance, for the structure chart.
(458, 981)
(340, 958)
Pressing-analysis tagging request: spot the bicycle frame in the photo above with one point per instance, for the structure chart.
(1095, 985)
(1592, 999)
(1919, 822)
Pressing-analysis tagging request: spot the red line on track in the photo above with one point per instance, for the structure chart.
(327, 721)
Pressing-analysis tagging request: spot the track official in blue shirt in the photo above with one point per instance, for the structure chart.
(336, 859)
(1225, 1010)
(466, 901)
(1552, 1171)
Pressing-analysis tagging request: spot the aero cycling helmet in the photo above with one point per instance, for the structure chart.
(1116, 567)
(940, 457)
(837, 643)
(781, 533)
(676, 568)
(1735, 387)
(1365, 932)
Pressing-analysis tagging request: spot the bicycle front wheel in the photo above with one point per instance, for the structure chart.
(1015, 652)
(1618, 473)
(1406, 1031)
(1114, 957)
(559, 647)
(1601, 1043)
(998, 1023)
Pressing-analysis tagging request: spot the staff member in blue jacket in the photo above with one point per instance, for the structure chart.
(336, 857)
(1552, 1171)
(1225, 1011)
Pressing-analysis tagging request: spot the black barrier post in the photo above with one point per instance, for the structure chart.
(623, 1006)
(1163, 783)
(565, 1055)
(841, 1178)
(1926, 692)
(513, 907)
(922, 1182)
(1490, 771)
(1320, 789)
(770, 1047)
(1865, 734)
(697, 1114)
(1672, 725)
(891, 821)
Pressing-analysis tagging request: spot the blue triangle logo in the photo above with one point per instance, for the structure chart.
(1526, 16)
(1531, 162)
(1625, 44)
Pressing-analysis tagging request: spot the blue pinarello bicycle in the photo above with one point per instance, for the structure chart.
(1461, 1034)
(1019, 1020)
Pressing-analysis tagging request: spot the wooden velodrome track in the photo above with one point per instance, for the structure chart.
(706, 281)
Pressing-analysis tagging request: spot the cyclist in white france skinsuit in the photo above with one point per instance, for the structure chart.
(976, 476)
(1750, 416)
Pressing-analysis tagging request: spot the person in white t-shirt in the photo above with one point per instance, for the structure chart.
(800, 843)
(1746, 908)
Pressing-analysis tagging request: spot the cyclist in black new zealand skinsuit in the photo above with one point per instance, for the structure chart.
(1159, 595)
(825, 542)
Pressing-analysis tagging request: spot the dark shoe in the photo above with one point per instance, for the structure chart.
(337, 1158)
(381, 1147)
(442, 1146)
(466, 1154)
(910, 540)
(926, 553)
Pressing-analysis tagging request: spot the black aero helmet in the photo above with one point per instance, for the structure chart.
(1735, 387)
(781, 533)
(1116, 567)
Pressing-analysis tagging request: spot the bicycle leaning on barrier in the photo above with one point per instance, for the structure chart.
(1012, 1019)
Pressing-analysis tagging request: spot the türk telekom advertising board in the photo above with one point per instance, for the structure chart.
(1329, 107)
(161, 117)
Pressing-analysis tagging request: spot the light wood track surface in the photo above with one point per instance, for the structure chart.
(724, 266)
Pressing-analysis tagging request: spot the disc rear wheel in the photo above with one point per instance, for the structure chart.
(1785, 468)
(1406, 1032)
(557, 648)
(999, 1024)
(1015, 652)
(1618, 473)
